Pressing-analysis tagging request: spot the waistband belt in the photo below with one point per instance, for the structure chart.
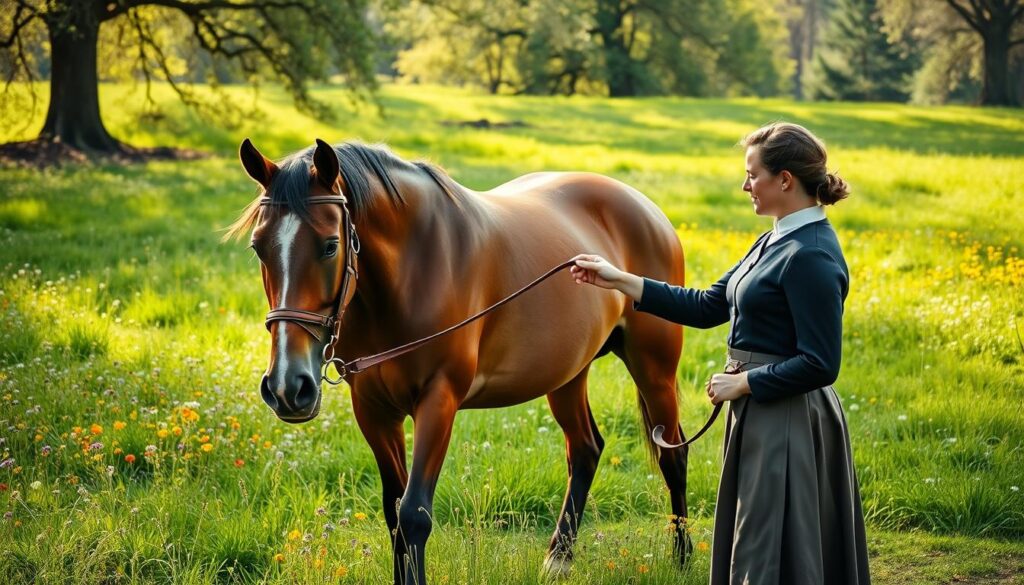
(753, 357)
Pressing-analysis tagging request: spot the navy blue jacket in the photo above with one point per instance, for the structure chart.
(789, 302)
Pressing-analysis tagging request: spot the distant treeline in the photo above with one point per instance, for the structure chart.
(926, 51)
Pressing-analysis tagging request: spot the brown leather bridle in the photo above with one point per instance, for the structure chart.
(330, 323)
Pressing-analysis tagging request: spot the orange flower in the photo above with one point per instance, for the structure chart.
(119, 426)
(341, 571)
(279, 558)
(207, 447)
(96, 429)
(359, 516)
(643, 569)
(129, 458)
(702, 546)
(239, 462)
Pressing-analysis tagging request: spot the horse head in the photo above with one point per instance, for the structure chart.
(304, 238)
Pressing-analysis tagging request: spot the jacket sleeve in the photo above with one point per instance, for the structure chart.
(687, 306)
(814, 285)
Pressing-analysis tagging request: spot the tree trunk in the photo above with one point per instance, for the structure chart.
(997, 89)
(618, 63)
(73, 117)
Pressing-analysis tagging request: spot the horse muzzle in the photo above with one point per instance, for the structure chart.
(294, 398)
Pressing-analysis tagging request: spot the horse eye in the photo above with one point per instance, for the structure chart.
(331, 249)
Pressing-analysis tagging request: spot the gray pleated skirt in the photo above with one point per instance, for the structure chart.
(789, 509)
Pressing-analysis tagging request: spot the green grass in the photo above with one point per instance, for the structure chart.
(119, 305)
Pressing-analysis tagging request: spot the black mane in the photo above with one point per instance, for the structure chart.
(359, 164)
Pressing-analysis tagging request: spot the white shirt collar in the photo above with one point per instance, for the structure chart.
(796, 219)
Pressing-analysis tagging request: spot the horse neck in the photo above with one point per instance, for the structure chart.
(413, 257)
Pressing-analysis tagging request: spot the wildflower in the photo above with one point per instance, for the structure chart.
(239, 462)
(162, 433)
(207, 447)
(35, 485)
(1014, 488)
(279, 558)
(3, 487)
(624, 552)
(616, 461)
(702, 546)
(9, 462)
(294, 535)
(129, 458)
(643, 569)
(96, 429)
(204, 439)
(45, 451)
(321, 511)
(359, 516)
(341, 571)
(96, 446)
(150, 450)
(176, 430)
(119, 425)
(611, 565)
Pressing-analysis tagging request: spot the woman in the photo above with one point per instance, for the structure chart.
(788, 507)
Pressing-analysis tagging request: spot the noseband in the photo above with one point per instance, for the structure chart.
(311, 321)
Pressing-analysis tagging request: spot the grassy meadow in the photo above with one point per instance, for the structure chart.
(134, 446)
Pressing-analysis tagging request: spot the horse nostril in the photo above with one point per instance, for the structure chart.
(308, 392)
(267, 394)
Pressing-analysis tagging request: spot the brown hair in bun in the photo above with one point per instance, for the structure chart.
(793, 148)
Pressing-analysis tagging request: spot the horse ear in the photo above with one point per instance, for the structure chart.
(325, 160)
(259, 167)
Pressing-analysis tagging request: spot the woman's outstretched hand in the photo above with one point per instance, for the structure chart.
(593, 269)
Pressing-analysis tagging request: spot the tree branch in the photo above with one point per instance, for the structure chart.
(966, 16)
(29, 13)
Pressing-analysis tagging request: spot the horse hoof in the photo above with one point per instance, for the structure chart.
(556, 567)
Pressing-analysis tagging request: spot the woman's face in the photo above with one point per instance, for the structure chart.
(766, 189)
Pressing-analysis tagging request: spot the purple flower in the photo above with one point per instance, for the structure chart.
(9, 462)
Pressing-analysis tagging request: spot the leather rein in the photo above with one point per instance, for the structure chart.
(332, 323)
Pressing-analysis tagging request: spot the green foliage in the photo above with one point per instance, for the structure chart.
(858, 61)
(637, 47)
(931, 378)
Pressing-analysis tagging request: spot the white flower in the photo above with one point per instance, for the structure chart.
(542, 430)
(901, 417)
(1014, 488)
(36, 484)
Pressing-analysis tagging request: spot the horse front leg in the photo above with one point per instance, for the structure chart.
(433, 416)
(383, 430)
(583, 446)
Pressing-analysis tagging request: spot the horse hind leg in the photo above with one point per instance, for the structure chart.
(583, 445)
(650, 350)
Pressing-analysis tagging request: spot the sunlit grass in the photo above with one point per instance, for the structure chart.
(135, 446)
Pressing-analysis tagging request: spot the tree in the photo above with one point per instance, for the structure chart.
(858, 61)
(999, 23)
(973, 50)
(293, 40)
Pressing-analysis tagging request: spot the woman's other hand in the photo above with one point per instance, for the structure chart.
(728, 387)
(593, 269)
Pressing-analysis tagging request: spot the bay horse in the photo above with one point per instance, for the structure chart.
(417, 252)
